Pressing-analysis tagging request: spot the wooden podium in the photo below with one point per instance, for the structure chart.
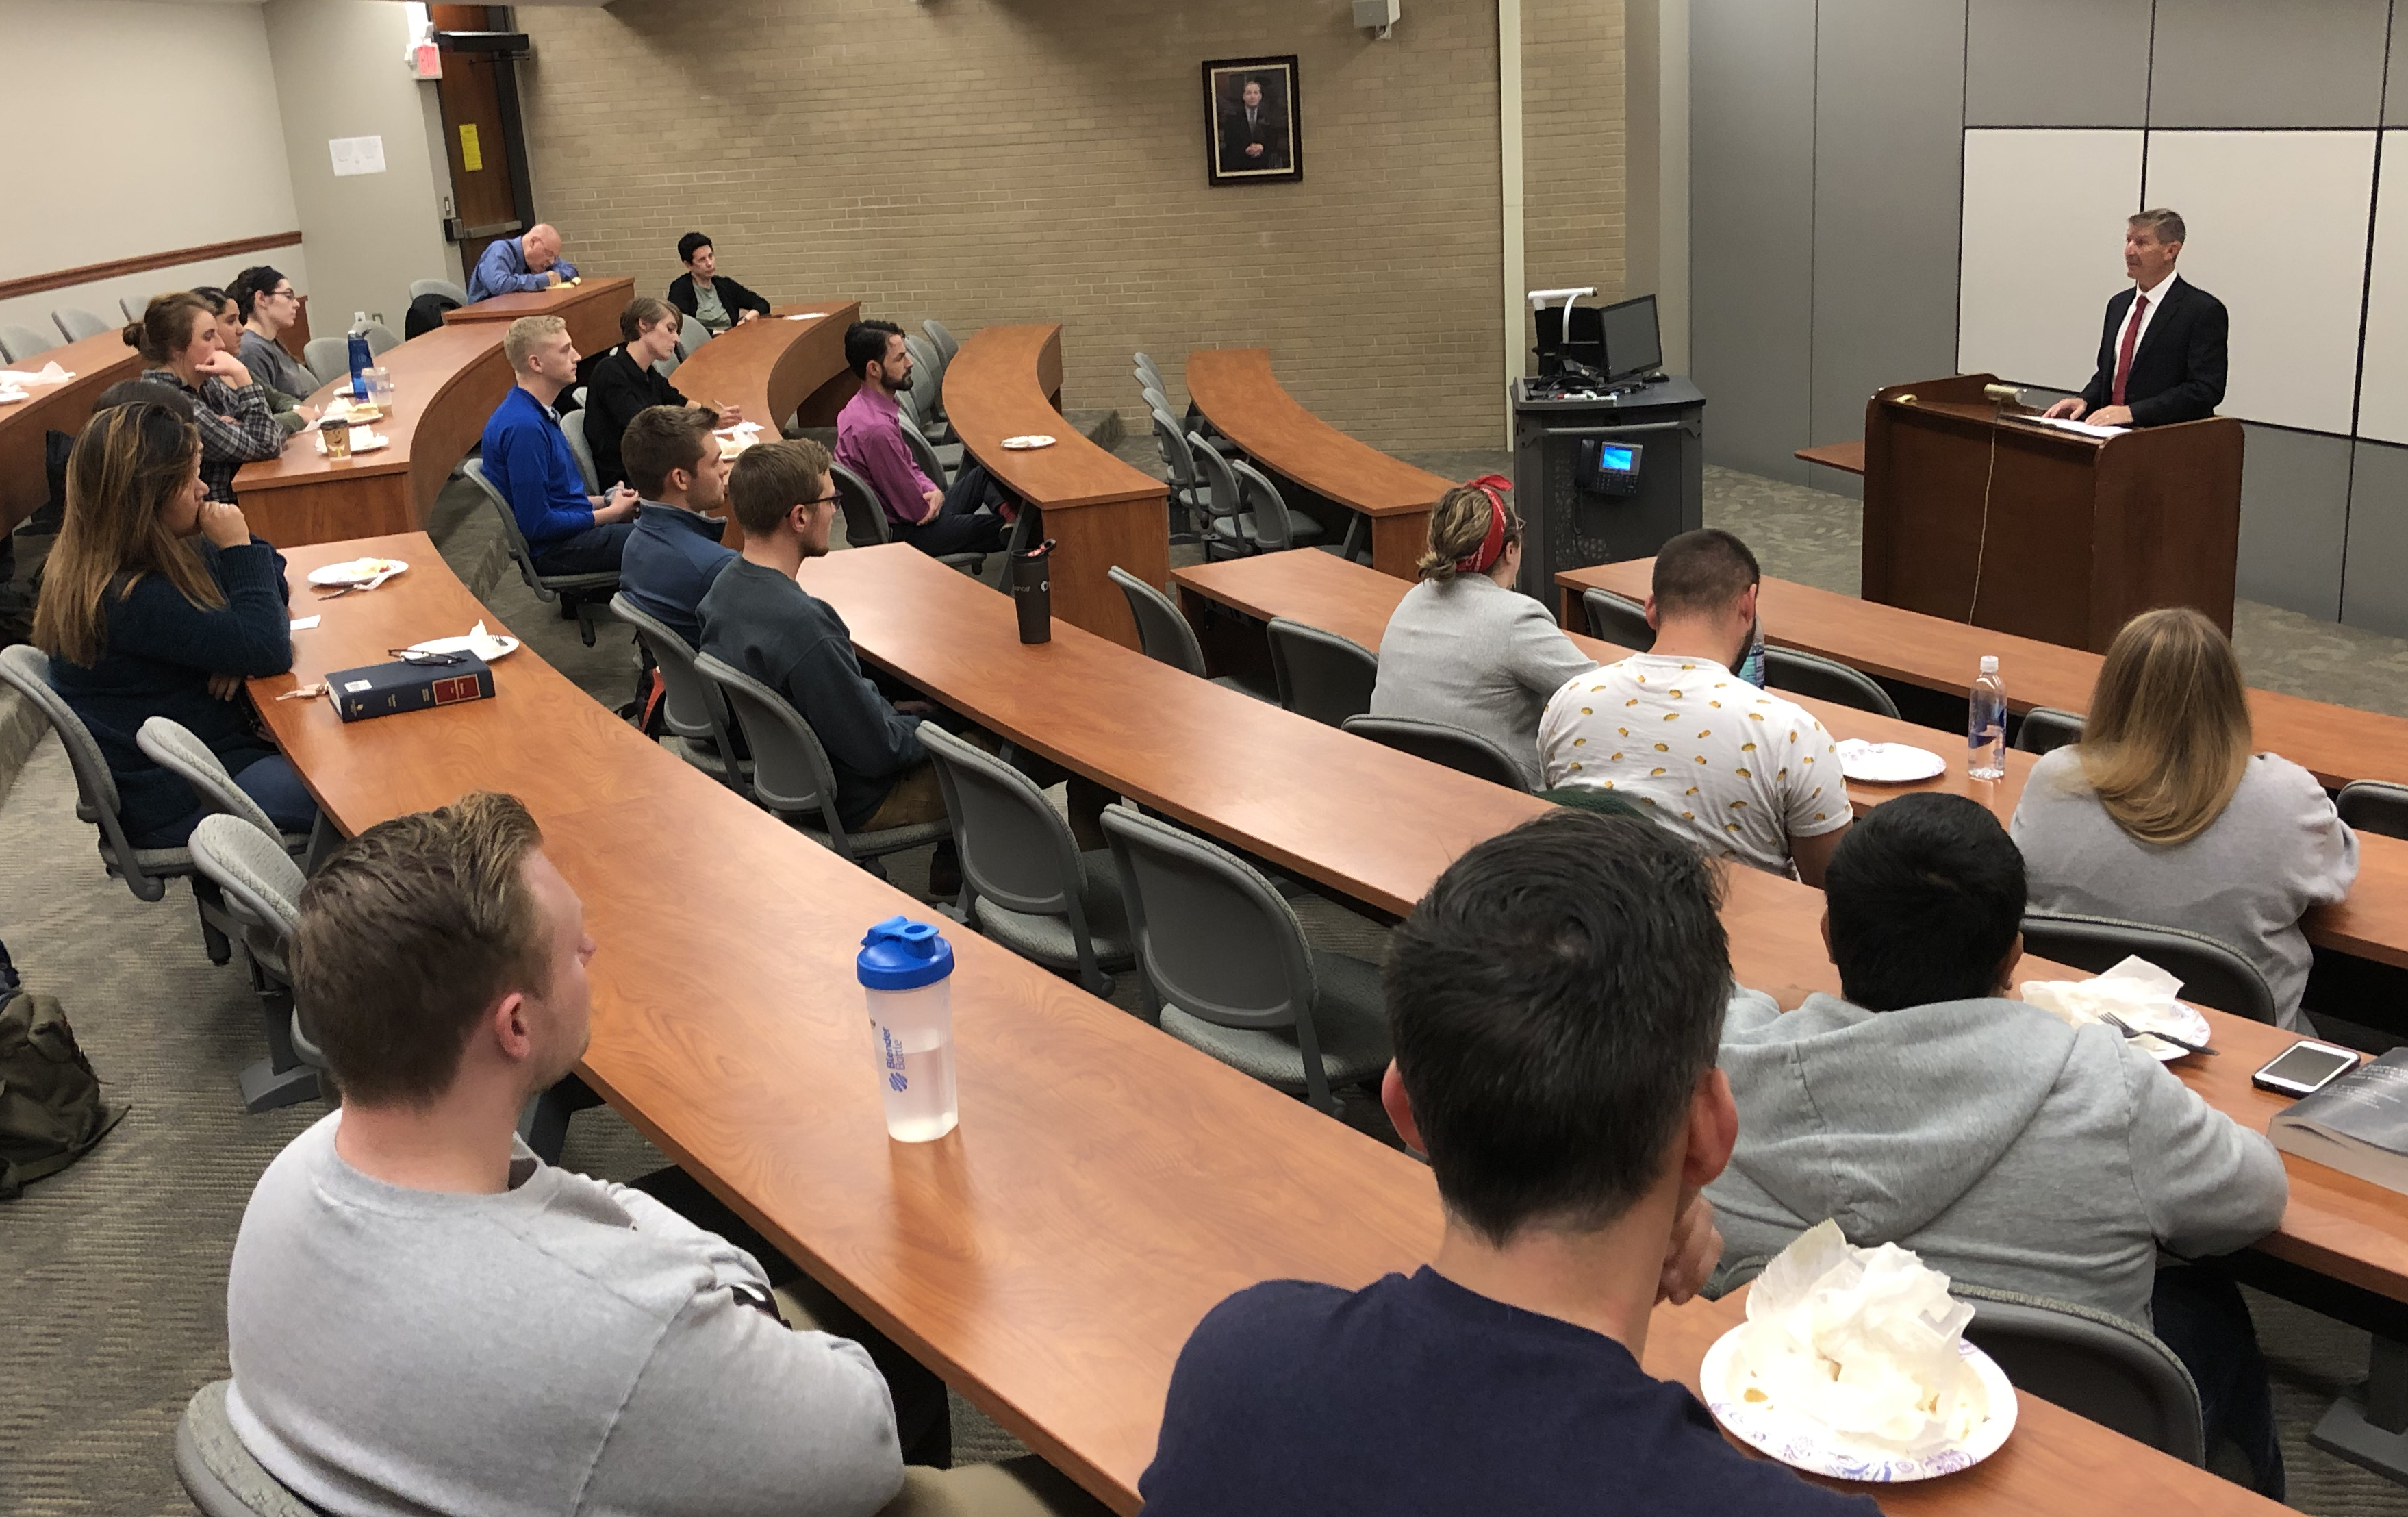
(2082, 534)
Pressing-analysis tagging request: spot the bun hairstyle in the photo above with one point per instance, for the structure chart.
(167, 324)
(1458, 528)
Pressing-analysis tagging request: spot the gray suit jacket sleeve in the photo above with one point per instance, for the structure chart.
(2209, 1185)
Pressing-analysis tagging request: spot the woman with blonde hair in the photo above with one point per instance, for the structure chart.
(179, 339)
(2162, 815)
(140, 621)
(1464, 648)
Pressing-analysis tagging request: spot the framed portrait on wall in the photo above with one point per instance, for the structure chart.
(1252, 131)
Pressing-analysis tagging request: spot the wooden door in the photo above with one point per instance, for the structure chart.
(478, 97)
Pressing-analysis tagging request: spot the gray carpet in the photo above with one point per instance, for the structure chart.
(117, 1265)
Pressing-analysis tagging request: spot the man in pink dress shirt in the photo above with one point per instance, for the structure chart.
(869, 441)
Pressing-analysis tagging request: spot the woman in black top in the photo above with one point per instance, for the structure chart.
(140, 621)
(625, 382)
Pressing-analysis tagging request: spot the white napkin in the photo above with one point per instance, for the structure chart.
(484, 645)
(2136, 991)
(1862, 1340)
(50, 373)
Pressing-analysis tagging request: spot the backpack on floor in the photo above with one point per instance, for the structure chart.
(51, 1110)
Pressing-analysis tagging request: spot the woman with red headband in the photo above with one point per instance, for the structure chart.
(1465, 647)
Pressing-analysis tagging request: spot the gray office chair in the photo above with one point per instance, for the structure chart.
(1321, 674)
(1793, 673)
(865, 525)
(1618, 620)
(695, 714)
(792, 778)
(173, 747)
(691, 335)
(2374, 807)
(145, 871)
(1024, 883)
(1148, 371)
(133, 308)
(927, 394)
(1187, 488)
(1267, 519)
(941, 464)
(20, 344)
(328, 357)
(2213, 973)
(1163, 634)
(442, 289)
(382, 338)
(580, 596)
(1224, 507)
(2046, 730)
(946, 346)
(261, 887)
(76, 323)
(218, 1472)
(1228, 969)
(1453, 746)
(1153, 396)
(572, 426)
(2091, 1363)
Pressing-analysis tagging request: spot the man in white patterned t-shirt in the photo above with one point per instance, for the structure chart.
(1747, 774)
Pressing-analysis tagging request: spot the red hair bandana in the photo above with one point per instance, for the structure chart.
(1492, 547)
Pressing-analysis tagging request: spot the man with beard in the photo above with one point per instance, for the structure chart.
(869, 441)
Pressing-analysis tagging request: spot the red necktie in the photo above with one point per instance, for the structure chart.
(2132, 337)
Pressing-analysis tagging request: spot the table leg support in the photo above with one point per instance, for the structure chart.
(2370, 1428)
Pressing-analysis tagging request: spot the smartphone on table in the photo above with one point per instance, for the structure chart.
(2304, 1068)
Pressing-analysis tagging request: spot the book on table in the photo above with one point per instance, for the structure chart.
(2358, 1124)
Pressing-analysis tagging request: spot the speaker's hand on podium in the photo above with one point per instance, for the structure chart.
(2069, 409)
(2111, 416)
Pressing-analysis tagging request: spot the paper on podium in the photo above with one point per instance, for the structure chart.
(2086, 428)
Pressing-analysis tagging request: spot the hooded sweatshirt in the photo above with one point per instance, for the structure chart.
(2004, 1147)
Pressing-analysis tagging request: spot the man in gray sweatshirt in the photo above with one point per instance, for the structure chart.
(1930, 1109)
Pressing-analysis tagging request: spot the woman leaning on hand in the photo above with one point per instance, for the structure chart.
(2162, 815)
(142, 620)
(178, 337)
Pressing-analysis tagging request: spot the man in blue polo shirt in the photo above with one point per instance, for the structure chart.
(672, 460)
(521, 265)
(527, 460)
(1554, 1000)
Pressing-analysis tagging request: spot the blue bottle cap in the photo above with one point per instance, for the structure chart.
(900, 954)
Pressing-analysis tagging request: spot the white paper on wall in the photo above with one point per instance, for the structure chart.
(356, 156)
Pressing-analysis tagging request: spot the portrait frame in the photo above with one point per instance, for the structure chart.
(1272, 139)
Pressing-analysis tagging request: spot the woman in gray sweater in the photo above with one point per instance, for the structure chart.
(1464, 648)
(2162, 815)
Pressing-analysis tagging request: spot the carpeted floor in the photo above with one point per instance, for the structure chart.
(117, 1266)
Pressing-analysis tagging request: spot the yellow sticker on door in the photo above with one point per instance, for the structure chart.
(472, 158)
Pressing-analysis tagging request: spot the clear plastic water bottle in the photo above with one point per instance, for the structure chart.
(1986, 724)
(906, 971)
(361, 358)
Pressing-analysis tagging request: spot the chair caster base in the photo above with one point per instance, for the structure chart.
(266, 1088)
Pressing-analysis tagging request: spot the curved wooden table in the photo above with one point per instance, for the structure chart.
(1007, 382)
(96, 363)
(1236, 390)
(777, 365)
(591, 308)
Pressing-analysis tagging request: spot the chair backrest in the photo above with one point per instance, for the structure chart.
(382, 338)
(1016, 852)
(2211, 973)
(2046, 730)
(1453, 746)
(18, 343)
(1154, 397)
(1172, 446)
(512, 539)
(946, 346)
(442, 289)
(1825, 679)
(172, 747)
(328, 357)
(791, 774)
(76, 323)
(572, 426)
(1618, 620)
(696, 710)
(26, 668)
(691, 335)
(1219, 478)
(259, 879)
(2092, 1364)
(218, 1472)
(1163, 634)
(923, 451)
(132, 306)
(1214, 938)
(1273, 529)
(864, 519)
(1321, 674)
(927, 376)
(2374, 807)
(1148, 372)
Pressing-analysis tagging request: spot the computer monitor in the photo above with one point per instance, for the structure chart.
(1633, 345)
(1568, 336)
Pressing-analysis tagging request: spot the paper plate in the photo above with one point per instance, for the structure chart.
(1033, 440)
(493, 648)
(1889, 763)
(1803, 1443)
(2191, 1025)
(355, 571)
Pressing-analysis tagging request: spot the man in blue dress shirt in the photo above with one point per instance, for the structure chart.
(527, 460)
(518, 265)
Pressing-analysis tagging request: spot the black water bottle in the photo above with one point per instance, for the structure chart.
(1032, 591)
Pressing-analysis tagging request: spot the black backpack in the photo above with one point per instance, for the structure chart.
(51, 1110)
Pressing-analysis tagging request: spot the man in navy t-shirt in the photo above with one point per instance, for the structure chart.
(1555, 1002)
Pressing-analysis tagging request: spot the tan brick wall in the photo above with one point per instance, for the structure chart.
(1574, 164)
(985, 161)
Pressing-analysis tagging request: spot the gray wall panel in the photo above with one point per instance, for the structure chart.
(1888, 143)
(2057, 63)
(1751, 227)
(2374, 591)
(2294, 516)
(2267, 62)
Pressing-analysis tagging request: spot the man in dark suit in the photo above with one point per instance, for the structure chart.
(1253, 132)
(2161, 358)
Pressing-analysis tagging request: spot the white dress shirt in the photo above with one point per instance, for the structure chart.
(2156, 299)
